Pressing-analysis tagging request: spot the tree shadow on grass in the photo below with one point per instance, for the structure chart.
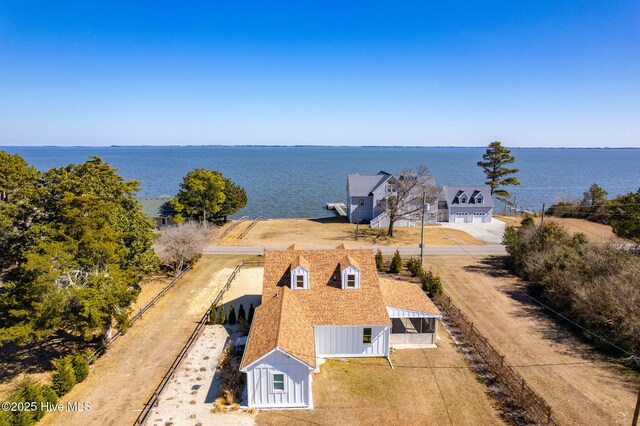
(493, 266)
(36, 357)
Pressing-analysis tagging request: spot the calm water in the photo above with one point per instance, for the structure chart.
(299, 181)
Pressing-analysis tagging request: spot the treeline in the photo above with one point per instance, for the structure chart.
(598, 287)
(76, 243)
(622, 212)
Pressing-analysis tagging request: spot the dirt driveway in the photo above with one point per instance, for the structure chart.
(427, 386)
(580, 387)
(121, 382)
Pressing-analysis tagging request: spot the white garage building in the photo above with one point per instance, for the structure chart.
(465, 204)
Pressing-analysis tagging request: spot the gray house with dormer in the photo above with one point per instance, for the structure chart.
(366, 195)
(465, 204)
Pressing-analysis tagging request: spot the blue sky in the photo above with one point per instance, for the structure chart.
(461, 73)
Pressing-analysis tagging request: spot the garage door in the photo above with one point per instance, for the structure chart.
(461, 217)
(478, 217)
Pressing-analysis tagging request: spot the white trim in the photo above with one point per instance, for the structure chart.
(413, 313)
(244, 370)
(272, 382)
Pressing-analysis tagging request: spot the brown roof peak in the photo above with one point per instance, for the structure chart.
(294, 246)
(348, 261)
(300, 261)
(343, 246)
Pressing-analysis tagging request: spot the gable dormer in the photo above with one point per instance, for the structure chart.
(479, 198)
(300, 274)
(350, 274)
(461, 198)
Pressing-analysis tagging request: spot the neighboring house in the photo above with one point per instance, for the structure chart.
(157, 209)
(465, 204)
(366, 195)
(320, 304)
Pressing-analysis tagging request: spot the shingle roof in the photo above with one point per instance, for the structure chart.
(154, 207)
(363, 185)
(449, 193)
(405, 295)
(280, 322)
(300, 261)
(325, 302)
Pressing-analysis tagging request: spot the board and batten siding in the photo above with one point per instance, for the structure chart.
(346, 341)
(297, 382)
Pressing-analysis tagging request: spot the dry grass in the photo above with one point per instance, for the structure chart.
(578, 384)
(596, 232)
(430, 386)
(333, 231)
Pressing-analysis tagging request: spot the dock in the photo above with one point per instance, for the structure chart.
(339, 208)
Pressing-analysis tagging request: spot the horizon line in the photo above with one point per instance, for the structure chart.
(309, 146)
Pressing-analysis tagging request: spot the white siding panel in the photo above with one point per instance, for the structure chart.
(406, 313)
(346, 341)
(296, 389)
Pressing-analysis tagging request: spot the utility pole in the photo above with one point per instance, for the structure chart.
(424, 196)
(542, 219)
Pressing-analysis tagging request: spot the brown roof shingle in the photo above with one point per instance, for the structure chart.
(405, 295)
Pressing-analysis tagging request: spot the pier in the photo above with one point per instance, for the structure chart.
(339, 208)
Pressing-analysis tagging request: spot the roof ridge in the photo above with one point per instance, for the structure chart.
(279, 318)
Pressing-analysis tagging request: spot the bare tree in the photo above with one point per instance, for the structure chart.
(181, 245)
(410, 189)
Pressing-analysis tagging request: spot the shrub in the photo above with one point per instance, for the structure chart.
(80, 366)
(222, 318)
(231, 379)
(219, 405)
(63, 377)
(527, 220)
(242, 315)
(431, 283)
(29, 391)
(213, 315)
(244, 326)
(396, 263)
(415, 267)
(379, 260)
(252, 312)
(232, 315)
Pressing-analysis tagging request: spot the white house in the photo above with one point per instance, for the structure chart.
(325, 304)
(465, 204)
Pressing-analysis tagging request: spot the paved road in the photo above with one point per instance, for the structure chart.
(386, 250)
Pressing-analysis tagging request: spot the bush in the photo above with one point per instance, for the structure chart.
(231, 379)
(431, 283)
(527, 220)
(242, 315)
(63, 377)
(415, 267)
(80, 366)
(396, 263)
(232, 315)
(213, 315)
(379, 260)
(222, 318)
(28, 391)
(252, 312)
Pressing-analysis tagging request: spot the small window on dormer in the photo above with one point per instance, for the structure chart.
(351, 280)
(479, 199)
(299, 281)
(463, 200)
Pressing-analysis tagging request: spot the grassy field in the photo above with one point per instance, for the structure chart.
(596, 232)
(123, 379)
(426, 386)
(579, 384)
(333, 231)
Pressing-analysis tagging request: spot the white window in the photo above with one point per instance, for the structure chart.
(351, 280)
(362, 202)
(391, 188)
(366, 335)
(299, 281)
(277, 382)
(463, 200)
(479, 199)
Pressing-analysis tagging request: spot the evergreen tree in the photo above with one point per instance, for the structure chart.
(80, 366)
(527, 220)
(29, 391)
(251, 313)
(379, 260)
(496, 158)
(242, 315)
(201, 195)
(431, 283)
(235, 199)
(63, 377)
(396, 263)
(625, 216)
(222, 318)
(232, 315)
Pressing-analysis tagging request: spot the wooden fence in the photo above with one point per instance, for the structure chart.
(153, 401)
(232, 226)
(513, 384)
(251, 225)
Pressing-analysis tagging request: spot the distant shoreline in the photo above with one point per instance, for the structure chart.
(314, 146)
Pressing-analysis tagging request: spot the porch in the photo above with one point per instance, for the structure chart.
(414, 332)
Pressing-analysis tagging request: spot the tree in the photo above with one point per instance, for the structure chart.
(232, 315)
(33, 392)
(431, 283)
(496, 158)
(181, 245)
(201, 195)
(408, 191)
(379, 260)
(80, 366)
(396, 263)
(235, 199)
(63, 377)
(594, 196)
(213, 315)
(252, 312)
(222, 317)
(527, 220)
(242, 315)
(624, 212)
